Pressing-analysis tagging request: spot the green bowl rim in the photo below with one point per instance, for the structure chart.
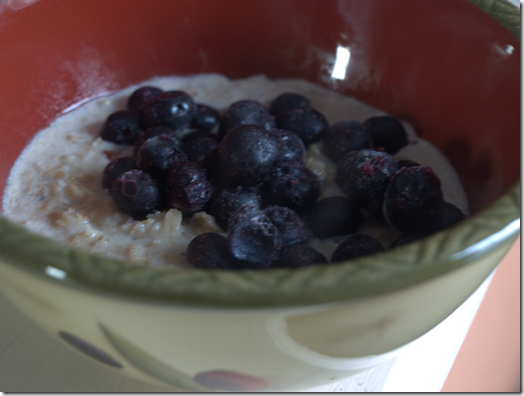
(407, 265)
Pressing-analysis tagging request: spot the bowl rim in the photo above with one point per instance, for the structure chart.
(404, 266)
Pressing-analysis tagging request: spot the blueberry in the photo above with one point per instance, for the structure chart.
(334, 216)
(248, 154)
(115, 168)
(209, 251)
(253, 237)
(404, 239)
(205, 117)
(387, 132)
(407, 163)
(211, 164)
(292, 185)
(228, 201)
(413, 198)
(172, 109)
(291, 227)
(155, 131)
(345, 136)
(309, 124)
(121, 127)
(356, 245)
(245, 112)
(137, 194)
(446, 215)
(141, 96)
(188, 189)
(292, 148)
(296, 256)
(159, 155)
(288, 101)
(364, 175)
(198, 144)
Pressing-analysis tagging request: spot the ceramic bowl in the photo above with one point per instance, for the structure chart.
(449, 67)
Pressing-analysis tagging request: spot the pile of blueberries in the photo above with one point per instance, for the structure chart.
(250, 176)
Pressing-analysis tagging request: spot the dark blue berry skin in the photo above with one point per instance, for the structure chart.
(445, 215)
(298, 256)
(334, 216)
(292, 185)
(387, 132)
(172, 109)
(309, 124)
(121, 127)
(115, 168)
(188, 189)
(209, 251)
(253, 237)
(141, 96)
(356, 245)
(290, 225)
(228, 201)
(159, 155)
(292, 148)
(205, 118)
(248, 154)
(345, 136)
(137, 194)
(198, 144)
(155, 131)
(407, 163)
(245, 112)
(288, 101)
(413, 198)
(404, 239)
(364, 175)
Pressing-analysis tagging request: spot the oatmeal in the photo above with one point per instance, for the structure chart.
(55, 188)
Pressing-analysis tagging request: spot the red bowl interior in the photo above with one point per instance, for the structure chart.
(444, 65)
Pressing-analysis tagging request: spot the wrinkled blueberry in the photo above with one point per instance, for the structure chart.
(288, 101)
(121, 127)
(387, 132)
(228, 201)
(155, 131)
(296, 256)
(292, 185)
(292, 148)
(248, 154)
(412, 199)
(115, 168)
(141, 96)
(446, 215)
(345, 136)
(356, 245)
(309, 124)
(172, 109)
(407, 163)
(334, 216)
(291, 227)
(404, 239)
(245, 112)
(188, 189)
(198, 144)
(209, 251)
(364, 175)
(137, 194)
(252, 236)
(159, 155)
(205, 117)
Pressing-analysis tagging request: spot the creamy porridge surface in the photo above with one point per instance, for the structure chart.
(55, 187)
